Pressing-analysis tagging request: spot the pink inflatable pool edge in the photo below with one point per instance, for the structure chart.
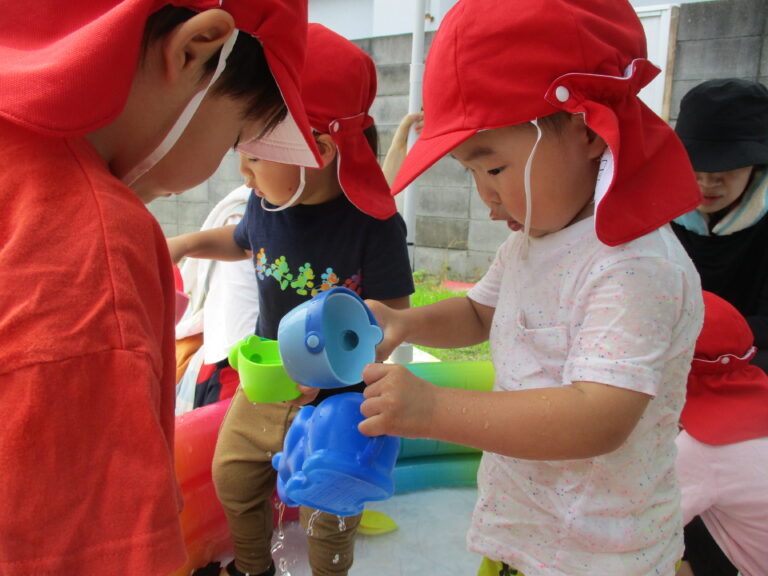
(203, 523)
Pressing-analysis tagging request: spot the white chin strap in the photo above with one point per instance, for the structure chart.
(527, 184)
(293, 199)
(183, 120)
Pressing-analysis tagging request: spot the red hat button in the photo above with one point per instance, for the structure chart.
(335, 126)
(562, 93)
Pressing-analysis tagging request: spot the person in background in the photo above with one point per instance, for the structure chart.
(724, 126)
(591, 306)
(722, 449)
(224, 306)
(92, 95)
(307, 231)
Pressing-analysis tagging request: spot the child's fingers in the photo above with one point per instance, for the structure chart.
(371, 409)
(372, 426)
(418, 124)
(384, 349)
(374, 372)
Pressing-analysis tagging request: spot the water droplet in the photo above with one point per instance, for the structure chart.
(335, 559)
(342, 523)
(269, 454)
(464, 410)
(311, 523)
(276, 546)
(280, 532)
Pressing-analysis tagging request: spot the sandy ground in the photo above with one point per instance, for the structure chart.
(430, 538)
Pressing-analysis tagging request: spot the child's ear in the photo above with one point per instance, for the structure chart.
(596, 145)
(594, 142)
(327, 148)
(190, 45)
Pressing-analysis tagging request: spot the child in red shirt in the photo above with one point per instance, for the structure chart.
(87, 309)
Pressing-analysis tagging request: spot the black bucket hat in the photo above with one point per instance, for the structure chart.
(724, 124)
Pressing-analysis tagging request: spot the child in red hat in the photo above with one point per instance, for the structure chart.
(92, 93)
(591, 306)
(307, 231)
(723, 446)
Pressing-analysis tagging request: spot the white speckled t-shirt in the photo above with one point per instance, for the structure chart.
(577, 310)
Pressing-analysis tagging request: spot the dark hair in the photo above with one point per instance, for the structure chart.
(555, 122)
(372, 135)
(246, 76)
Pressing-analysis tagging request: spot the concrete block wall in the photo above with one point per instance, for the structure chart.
(722, 39)
(453, 235)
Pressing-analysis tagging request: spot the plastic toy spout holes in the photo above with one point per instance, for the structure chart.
(349, 340)
(257, 358)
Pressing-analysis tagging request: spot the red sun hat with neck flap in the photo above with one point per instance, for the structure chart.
(338, 88)
(494, 64)
(727, 397)
(68, 66)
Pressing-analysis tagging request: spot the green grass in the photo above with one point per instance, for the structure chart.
(428, 290)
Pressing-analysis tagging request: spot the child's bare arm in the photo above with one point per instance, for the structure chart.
(398, 303)
(450, 323)
(213, 244)
(398, 148)
(582, 420)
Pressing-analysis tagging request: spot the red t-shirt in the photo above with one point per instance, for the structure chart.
(87, 373)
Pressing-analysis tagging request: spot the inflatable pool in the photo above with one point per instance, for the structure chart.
(421, 464)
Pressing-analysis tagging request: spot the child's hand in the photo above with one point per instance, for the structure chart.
(397, 402)
(308, 394)
(392, 322)
(398, 148)
(401, 134)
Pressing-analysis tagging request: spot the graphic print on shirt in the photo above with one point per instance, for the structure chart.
(304, 282)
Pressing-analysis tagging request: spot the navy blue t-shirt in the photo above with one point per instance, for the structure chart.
(302, 250)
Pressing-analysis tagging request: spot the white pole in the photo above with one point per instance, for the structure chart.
(403, 354)
(414, 105)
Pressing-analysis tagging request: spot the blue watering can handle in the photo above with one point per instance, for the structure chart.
(372, 451)
(313, 326)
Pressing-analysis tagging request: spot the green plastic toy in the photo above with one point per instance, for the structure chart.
(261, 370)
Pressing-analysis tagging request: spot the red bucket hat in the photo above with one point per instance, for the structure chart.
(494, 64)
(68, 66)
(727, 398)
(338, 88)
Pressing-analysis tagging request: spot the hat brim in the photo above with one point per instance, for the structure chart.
(728, 407)
(425, 152)
(708, 156)
(361, 178)
(291, 141)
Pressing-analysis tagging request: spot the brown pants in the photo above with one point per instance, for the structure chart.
(244, 478)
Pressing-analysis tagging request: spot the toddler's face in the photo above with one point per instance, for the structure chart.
(216, 126)
(721, 189)
(563, 173)
(272, 181)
